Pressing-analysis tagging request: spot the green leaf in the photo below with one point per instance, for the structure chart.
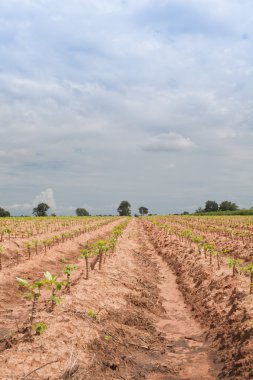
(28, 296)
(56, 299)
(22, 282)
(40, 327)
(48, 276)
(107, 337)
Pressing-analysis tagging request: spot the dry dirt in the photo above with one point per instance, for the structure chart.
(137, 318)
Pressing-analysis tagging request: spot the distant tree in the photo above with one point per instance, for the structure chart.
(185, 213)
(4, 213)
(124, 209)
(228, 206)
(41, 209)
(81, 212)
(143, 210)
(200, 209)
(211, 206)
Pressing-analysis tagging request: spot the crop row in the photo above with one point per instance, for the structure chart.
(35, 246)
(49, 286)
(13, 228)
(209, 250)
(240, 229)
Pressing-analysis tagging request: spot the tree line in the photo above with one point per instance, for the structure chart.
(212, 206)
(41, 209)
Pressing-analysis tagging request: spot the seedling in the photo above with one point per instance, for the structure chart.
(8, 231)
(32, 294)
(208, 248)
(249, 268)
(35, 243)
(234, 263)
(54, 285)
(28, 246)
(68, 269)
(217, 254)
(39, 327)
(99, 247)
(198, 240)
(86, 253)
(92, 314)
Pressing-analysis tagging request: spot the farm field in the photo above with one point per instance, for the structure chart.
(164, 297)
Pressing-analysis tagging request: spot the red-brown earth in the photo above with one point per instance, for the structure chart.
(156, 310)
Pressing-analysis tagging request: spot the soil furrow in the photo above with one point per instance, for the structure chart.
(187, 347)
(133, 319)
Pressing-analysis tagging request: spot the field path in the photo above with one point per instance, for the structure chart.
(187, 347)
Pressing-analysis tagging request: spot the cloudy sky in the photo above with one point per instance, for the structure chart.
(149, 101)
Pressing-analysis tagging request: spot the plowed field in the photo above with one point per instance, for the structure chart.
(159, 307)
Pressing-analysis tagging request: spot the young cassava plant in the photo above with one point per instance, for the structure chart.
(234, 264)
(32, 294)
(55, 286)
(249, 269)
(68, 269)
(85, 253)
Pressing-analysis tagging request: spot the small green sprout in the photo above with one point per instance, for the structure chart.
(92, 314)
(107, 337)
(40, 328)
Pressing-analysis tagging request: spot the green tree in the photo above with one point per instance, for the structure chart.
(228, 206)
(4, 213)
(124, 208)
(82, 212)
(143, 210)
(41, 209)
(211, 206)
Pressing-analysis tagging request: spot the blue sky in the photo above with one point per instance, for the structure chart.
(148, 101)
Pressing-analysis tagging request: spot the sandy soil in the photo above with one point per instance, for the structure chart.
(137, 318)
(219, 301)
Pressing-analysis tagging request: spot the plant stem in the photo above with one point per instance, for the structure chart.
(87, 267)
(34, 307)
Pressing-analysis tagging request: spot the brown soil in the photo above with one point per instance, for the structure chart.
(221, 303)
(134, 319)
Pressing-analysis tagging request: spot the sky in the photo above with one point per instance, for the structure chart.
(148, 101)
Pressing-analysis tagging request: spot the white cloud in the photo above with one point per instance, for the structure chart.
(46, 196)
(168, 142)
